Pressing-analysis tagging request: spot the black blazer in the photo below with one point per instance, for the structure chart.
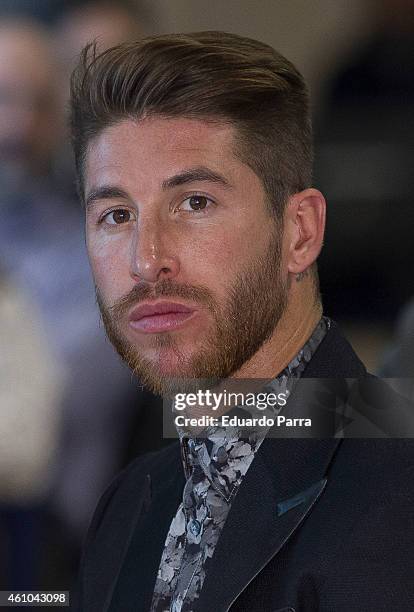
(318, 524)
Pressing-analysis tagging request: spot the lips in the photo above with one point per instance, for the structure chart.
(159, 317)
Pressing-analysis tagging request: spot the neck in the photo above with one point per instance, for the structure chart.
(296, 325)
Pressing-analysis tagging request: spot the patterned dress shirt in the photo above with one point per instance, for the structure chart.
(214, 468)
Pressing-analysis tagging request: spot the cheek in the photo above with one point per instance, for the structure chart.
(213, 258)
(109, 259)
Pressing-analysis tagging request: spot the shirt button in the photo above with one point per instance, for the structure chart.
(195, 527)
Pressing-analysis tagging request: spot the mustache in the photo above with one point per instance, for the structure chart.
(164, 288)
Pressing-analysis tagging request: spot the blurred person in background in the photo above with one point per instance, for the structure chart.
(45, 11)
(49, 11)
(31, 387)
(364, 161)
(42, 248)
(108, 23)
(30, 120)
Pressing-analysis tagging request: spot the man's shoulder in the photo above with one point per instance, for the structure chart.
(118, 510)
(379, 440)
(382, 458)
(132, 481)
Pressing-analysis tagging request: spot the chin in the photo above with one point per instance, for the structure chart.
(164, 367)
(168, 374)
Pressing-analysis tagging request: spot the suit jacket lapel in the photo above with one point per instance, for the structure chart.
(278, 492)
(112, 541)
(133, 584)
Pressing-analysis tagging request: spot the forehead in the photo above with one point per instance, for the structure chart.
(161, 146)
(175, 133)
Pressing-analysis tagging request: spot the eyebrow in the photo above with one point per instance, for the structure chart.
(106, 192)
(192, 175)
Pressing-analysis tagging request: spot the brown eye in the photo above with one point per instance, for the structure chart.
(197, 202)
(117, 217)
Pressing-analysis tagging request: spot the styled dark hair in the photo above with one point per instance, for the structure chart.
(213, 76)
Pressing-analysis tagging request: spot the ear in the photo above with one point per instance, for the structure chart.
(305, 224)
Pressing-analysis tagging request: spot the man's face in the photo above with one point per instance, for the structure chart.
(187, 260)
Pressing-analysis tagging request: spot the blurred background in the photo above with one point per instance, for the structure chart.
(71, 417)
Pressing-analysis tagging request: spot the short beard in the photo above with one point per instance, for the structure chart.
(256, 303)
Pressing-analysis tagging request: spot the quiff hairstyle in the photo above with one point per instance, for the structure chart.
(212, 76)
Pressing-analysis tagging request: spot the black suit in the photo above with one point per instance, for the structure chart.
(318, 524)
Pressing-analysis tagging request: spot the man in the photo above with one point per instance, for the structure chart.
(194, 158)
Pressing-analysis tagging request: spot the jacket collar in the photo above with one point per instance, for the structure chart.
(279, 490)
(132, 571)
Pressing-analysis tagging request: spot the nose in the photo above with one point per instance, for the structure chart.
(152, 258)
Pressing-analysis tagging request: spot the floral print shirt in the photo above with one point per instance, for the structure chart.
(214, 467)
